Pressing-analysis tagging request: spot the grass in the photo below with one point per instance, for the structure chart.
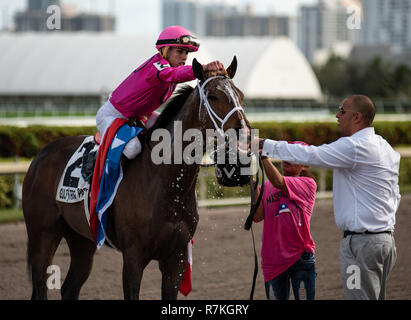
(405, 189)
(32, 114)
(11, 215)
(11, 159)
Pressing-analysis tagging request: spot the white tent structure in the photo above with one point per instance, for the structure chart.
(93, 64)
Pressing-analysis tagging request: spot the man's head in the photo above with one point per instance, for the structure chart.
(356, 113)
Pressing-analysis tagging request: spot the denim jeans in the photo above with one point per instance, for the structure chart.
(301, 272)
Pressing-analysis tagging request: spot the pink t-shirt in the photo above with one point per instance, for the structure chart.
(286, 231)
(147, 87)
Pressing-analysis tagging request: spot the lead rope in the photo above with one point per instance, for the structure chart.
(249, 222)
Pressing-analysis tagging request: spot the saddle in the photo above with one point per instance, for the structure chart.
(76, 180)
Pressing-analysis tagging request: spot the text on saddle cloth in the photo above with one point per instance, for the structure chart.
(74, 185)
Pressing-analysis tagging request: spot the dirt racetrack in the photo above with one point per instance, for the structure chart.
(223, 261)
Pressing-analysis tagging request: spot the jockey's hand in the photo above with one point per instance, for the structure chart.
(213, 66)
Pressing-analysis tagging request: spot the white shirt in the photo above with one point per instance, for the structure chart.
(365, 182)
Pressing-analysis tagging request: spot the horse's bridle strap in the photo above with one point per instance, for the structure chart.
(211, 113)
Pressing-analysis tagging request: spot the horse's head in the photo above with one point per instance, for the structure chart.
(220, 108)
(220, 105)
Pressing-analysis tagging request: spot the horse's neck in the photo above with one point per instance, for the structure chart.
(179, 169)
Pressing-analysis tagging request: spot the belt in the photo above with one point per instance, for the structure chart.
(349, 233)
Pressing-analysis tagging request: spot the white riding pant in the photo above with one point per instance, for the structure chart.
(105, 117)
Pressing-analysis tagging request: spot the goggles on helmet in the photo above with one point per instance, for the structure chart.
(183, 40)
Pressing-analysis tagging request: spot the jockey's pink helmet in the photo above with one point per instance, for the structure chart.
(177, 36)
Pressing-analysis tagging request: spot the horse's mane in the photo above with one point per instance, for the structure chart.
(171, 108)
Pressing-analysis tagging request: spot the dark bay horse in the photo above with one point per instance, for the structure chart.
(145, 221)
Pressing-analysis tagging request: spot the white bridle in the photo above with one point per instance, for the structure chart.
(213, 116)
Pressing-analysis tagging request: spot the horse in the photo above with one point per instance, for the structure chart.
(145, 221)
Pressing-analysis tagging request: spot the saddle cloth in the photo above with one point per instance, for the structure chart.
(96, 187)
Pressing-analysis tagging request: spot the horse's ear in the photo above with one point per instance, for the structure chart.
(231, 70)
(198, 70)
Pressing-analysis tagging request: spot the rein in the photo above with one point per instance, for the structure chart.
(249, 222)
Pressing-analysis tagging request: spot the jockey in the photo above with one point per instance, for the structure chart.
(152, 83)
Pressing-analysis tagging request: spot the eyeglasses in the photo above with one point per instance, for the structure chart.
(341, 109)
(184, 40)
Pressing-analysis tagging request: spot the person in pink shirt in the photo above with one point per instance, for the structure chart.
(152, 83)
(287, 253)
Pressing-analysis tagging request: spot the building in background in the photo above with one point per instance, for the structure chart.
(241, 24)
(41, 4)
(387, 22)
(384, 30)
(323, 25)
(309, 30)
(77, 77)
(222, 19)
(34, 18)
(187, 13)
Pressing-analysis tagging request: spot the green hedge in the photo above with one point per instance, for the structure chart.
(396, 133)
(6, 191)
(27, 142)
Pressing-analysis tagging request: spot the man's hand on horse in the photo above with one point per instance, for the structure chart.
(260, 147)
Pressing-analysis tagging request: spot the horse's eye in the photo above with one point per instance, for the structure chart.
(212, 98)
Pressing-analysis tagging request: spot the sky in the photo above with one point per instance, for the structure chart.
(142, 17)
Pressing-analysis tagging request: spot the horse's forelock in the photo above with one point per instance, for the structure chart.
(220, 72)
